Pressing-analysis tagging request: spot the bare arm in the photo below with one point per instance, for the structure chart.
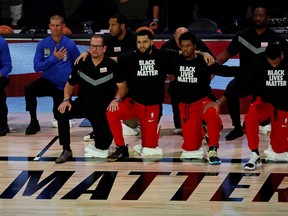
(209, 59)
(121, 92)
(223, 57)
(82, 56)
(215, 104)
(154, 23)
(68, 90)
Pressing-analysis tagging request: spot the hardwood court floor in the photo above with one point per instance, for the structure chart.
(31, 183)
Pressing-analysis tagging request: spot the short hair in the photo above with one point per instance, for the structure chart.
(188, 36)
(261, 4)
(57, 17)
(99, 36)
(273, 51)
(121, 18)
(146, 32)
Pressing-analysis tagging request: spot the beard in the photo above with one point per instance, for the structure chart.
(146, 53)
(260, 25)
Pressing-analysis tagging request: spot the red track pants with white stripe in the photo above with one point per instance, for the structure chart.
(260, 111)
(192, 116)
(148, 116)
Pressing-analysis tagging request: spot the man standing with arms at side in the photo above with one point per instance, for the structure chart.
(101, 87)
(5, 69)
(54, 57)
(249, 44)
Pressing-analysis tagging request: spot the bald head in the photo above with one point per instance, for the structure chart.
(177, 34)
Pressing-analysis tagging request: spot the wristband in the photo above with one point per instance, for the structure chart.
(66, 99)
(155, 20)
(217, 101)
(117, 100)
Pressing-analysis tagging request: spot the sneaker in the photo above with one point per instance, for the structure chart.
(65, 155)
(197, 154)
(254, 161)
(121, 152)
(33, 127)
(213, 158)
(177, 131)
(273, 156)
(4, 130)
(127, 131)
(151, 151)
(138, 148)
(92, 151)
(54, 123)
(234, 134)
(89, 137)
(265, 129)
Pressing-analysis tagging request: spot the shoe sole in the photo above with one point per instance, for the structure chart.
(230, 139)
(29, 133)
(253, 168)
(214, 162)
(89, 155)
(60, 162)
(117, 159)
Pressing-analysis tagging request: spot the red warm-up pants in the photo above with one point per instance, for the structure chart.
(148, 116)
(260, 111)
(192, 116)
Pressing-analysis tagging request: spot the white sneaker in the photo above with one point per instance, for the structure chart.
(151, 151)
(197, 154)
(265, 129)
(54, 123)
(138, 148)
(177, 131)
(273, 156)
(127, 131)
(92, 151)
(254, 161)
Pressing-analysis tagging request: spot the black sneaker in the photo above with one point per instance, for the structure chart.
(234, 134)
(254, 162)
(65, 155)
(121, 152)
(89, 137)
(213, 158)
(33, 127)
(4, 130)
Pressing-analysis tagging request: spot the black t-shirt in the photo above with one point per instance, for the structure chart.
(272, 82)
(116, 47)
(193, 77)
(250, 45)
(145, 75)
(97, 84)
